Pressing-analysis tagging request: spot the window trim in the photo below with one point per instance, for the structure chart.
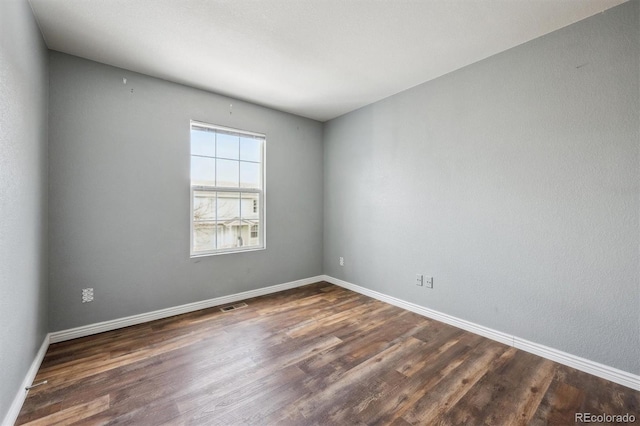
(262, 222)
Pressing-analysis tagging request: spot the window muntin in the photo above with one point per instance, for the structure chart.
(227, 190)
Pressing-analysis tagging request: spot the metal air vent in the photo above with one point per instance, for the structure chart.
(233, 307)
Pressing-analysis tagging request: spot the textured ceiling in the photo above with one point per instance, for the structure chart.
(315, 58)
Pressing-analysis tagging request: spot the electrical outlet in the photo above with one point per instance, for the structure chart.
(341, 261)
(87, 295)
(419, 280)
(429, 282)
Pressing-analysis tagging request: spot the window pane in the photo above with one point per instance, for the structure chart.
(251, 149)
(228, 146)
(204, 236)
(227, 173)
(203, 143)
(228, 210)
(250, 206)
(251, 235)
(203, 171)
(204, 206)
(250, 176)
(250, 219)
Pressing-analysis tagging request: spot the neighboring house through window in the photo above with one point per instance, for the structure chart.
(227, 190)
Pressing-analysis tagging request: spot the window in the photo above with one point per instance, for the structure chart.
(227, 190)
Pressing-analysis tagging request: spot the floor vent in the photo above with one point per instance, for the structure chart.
(234, 307)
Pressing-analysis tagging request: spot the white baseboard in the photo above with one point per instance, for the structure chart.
(12, 415)
(87, 330)
(604, 371)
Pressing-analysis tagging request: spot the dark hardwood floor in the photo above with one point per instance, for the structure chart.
(315, 355)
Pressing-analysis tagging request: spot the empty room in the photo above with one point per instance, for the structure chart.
(319, 212)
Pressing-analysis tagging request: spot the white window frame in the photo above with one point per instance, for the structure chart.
(215, 189)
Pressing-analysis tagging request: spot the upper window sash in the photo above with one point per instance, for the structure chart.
(198, 125)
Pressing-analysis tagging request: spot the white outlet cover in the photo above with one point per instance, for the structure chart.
(87, 295)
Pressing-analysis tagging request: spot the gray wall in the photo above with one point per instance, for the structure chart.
(514, 182)
(23, 195)
(119, 195)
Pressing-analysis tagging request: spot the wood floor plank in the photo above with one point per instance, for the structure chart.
(313, 355)
(456, 379)
(435, 366)
(538, 388)
(566, 401)
(197, 411)
(499, 397)
(73, 414)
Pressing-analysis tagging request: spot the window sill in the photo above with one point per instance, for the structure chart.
(230, 251)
